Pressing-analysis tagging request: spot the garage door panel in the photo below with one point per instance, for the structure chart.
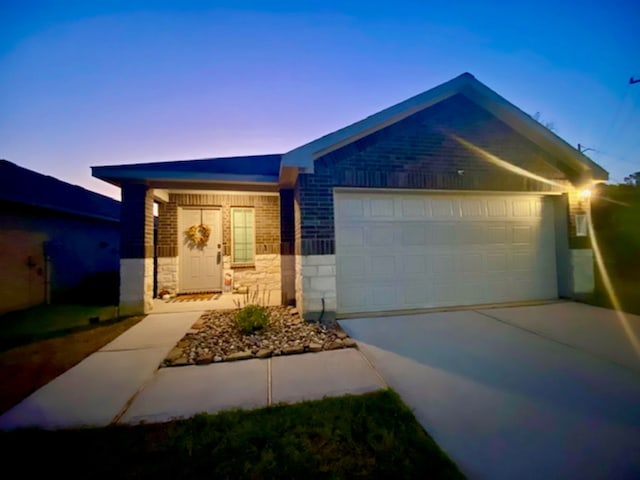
(440, 233)
(444, 208)
(382, 207)
(382, 265)
(413, 264)
(412, 234)
(351, 266)
(522, 235)
(474, 208)
(351, 237)
(497, 208)
(399, 251)
(413, 208)
(522, 208)
(380, 236)
(383, 296)
(496, 235)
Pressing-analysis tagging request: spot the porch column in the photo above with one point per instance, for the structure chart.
(136, 250)
(287, 247)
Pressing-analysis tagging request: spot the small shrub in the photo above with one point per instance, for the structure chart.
(252, 318)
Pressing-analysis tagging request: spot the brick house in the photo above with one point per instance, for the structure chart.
(58, 242)
(452, 197)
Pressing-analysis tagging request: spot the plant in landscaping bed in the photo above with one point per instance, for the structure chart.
(252, 318)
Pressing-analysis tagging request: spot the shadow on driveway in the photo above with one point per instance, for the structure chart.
(507, 403)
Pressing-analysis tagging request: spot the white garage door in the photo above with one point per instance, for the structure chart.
(405, 251)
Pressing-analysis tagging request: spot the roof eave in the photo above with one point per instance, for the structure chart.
(118, 176)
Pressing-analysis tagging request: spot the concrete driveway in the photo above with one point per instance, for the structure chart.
(547, 391)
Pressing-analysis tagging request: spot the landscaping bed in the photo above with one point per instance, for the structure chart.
(216, 337)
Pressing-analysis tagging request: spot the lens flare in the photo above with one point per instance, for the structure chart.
(504, 164)
(633, 340)
(584, 194)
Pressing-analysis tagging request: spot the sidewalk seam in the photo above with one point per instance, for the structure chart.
(375, 371)
(559, 342)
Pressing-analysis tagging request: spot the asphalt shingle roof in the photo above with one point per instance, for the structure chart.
(20, 185)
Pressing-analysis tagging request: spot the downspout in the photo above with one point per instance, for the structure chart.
(321, 313)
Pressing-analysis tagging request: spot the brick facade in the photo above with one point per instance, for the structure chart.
(136, 222)
(267, 217)
(266, 270)
(420, 152)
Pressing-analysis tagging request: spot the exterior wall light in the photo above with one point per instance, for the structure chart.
(584, 194)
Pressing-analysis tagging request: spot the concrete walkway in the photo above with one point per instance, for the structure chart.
(527, 393)
(121, 382)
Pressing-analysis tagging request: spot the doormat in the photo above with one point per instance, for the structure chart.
(194, 297)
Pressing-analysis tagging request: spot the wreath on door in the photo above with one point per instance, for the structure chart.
(198, 234)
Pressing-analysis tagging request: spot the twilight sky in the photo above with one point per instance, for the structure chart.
(87, 83)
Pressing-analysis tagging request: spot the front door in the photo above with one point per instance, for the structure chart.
(200, 266)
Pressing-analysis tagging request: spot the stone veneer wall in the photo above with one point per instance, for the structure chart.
(265, 273)
(136, 296)
(315, 281)
(264, 277)
(168, 274)
(136, 250)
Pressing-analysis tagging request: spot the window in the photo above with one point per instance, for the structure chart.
(242, 235)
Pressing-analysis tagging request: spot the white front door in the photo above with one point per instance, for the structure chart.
(397, 251)
(200, 268)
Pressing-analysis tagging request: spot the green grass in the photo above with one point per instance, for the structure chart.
(367, 436)
(627, 291)
(46, 321)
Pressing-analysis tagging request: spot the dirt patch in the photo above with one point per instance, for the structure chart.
(26, 368)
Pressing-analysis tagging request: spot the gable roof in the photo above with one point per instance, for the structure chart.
(466, 84)
(253, 169)
(20, 185)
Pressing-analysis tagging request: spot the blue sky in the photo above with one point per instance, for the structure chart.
(95, 83)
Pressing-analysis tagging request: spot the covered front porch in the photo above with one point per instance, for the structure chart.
(220, 225)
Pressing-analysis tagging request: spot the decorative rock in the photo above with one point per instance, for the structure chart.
(205, 359)
(264, 353)
(174, 354)
(349, 342)
(335, 345)
(181, 362)
(239, 356)
(293, 349)
(218, 337)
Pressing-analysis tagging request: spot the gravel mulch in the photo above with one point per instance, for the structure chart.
(216, 338)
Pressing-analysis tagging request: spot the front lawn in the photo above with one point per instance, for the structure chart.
(25, 368)
(367, 436)
(46, 321)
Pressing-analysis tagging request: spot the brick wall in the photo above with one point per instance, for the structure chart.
(267, 217)
(419, 152)
(136, 222)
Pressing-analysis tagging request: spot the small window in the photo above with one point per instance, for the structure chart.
(242, 236)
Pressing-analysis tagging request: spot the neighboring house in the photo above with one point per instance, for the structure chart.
(453, 197)
(54, 237)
